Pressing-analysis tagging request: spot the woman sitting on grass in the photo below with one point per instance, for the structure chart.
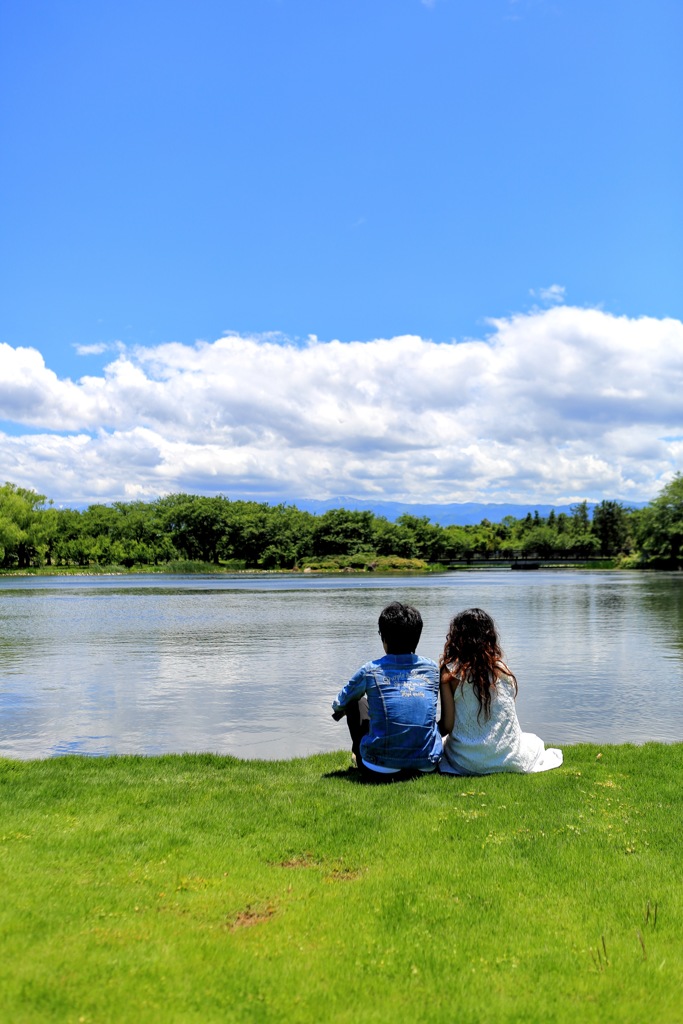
(478, 715)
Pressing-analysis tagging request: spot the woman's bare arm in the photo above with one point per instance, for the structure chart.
(447, 720)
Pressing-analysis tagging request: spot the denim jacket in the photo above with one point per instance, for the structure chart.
(402, 692)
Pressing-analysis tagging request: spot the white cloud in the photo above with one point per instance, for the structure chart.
(553, 295)
(553, 405)
(92, 350)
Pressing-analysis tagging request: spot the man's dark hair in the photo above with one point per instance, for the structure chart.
(400, 625)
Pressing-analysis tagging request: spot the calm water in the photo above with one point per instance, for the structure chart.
(248, 665)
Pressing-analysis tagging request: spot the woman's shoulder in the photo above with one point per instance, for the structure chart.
(505, 679)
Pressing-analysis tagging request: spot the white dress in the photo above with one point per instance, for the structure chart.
(480, 746)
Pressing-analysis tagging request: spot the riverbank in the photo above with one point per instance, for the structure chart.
(206, 888)
(386, 566)
(380, 565)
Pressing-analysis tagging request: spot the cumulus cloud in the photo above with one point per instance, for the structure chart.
(553, 405)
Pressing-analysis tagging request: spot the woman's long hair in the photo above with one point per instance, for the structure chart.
(472, 654)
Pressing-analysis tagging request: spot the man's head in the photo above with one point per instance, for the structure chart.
(400, 626)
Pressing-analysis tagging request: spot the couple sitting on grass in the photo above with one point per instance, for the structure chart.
(390, 705)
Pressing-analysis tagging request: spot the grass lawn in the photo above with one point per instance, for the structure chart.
(202, 888)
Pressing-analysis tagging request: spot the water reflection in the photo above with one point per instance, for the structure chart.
(247, 665)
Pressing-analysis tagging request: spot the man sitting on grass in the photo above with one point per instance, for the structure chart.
(390, 703)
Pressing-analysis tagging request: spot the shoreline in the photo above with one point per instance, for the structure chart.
(603, 750)
(433, 570)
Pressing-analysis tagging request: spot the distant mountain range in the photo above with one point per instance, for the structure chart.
(466, 513)
(458, 513)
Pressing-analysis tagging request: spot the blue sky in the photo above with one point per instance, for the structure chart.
(501, 173)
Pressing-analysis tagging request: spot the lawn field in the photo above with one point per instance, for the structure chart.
(203, 888)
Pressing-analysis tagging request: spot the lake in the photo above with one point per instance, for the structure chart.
(248, 664)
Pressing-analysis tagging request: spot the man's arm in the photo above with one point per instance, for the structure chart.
(350, 695)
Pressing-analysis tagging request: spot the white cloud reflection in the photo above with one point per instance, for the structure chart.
(552, 405)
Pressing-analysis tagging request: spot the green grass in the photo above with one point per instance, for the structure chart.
(202, 888)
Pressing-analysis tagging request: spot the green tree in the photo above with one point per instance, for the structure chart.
(541, 542)
(563, 522)
(69, 526)
(427, 537)
(101, 521)
(265, 536)
(660, 526)
(487, 538)
(580, 519)
(22, 536)
(457, 544)
(581, 543)
(393, 539)
(246, 534)
(342, 532)
(611, 526)
(197, 524)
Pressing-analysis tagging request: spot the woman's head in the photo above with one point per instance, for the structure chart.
(469, 633)
(472, 654)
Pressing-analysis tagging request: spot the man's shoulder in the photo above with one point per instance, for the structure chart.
(426, 665)
(395, 663)
(368, 668)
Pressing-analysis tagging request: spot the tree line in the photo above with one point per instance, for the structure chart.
(250, 534)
